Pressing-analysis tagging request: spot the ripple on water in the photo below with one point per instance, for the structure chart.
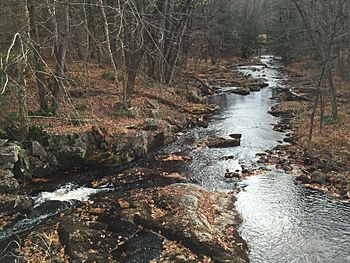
(286, 223)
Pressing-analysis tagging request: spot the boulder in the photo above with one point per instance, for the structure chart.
(152, 104)
(154, 113)
(319, 178)
(254, 88)
(72, 150)
(286, 109)
(37, 150)
(86, 241)
(8, 184)
(150, 124)
(241, 91)
(14, 157)
(42, 168)
(3, 135)
(204, 222)
(219, 142)
(236, 135)
(304, 179)
(10, 204)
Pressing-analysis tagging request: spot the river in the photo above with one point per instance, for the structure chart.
(283, 222)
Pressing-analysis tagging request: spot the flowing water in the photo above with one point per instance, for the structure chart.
(283, 222)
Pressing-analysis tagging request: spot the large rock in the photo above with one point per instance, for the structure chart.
(241, 91)
(13, 157)
(37, 150)
(8, 184)
(286, 109)
(152, 104)
(205, 222)
(10, 204)
(72, 150)
(87, 241)
(219, 142)
(42, 163)
(151, 124)
(129, 147)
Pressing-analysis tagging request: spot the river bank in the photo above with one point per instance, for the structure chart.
(49, 157)
(212, 195)
(325, 166)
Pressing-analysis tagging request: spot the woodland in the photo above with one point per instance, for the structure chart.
(97, 85)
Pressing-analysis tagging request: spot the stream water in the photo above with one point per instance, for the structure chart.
(283, 222)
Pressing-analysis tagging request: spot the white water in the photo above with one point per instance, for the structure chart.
(67, 193)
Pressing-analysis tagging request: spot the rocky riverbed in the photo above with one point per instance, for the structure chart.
(115, 214)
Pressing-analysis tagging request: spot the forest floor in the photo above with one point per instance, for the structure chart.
(327, 164)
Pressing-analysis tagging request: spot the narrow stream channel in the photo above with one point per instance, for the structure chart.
(283, 222)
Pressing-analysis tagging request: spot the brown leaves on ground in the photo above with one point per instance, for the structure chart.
(174, 157)
(174, 176)
(123, 203)
(43, 247)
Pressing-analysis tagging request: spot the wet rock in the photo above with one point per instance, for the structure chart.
(226, 158)
(290, 140)
(199, 122)
(144, 246)
(241, 91)
(205, 222)
(261, 83)
(304, 179)
(286, 109)
(236, 135)
(10, 204)
(142, 178)
(8, 184)
(151, 124)
(229, 174)
(219, 142)
(318, 178)
(87, 242)
(254, 88)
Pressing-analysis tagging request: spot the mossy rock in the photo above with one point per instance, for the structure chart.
(37, 133)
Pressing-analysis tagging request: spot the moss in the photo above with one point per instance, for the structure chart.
(121, 112)
(76, 120)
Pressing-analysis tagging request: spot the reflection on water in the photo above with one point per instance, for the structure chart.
(283, 222)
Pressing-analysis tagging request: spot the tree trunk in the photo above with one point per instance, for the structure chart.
(60, 55)
(332, 92)
(109, 47)
(43, 90)
(22, 71)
